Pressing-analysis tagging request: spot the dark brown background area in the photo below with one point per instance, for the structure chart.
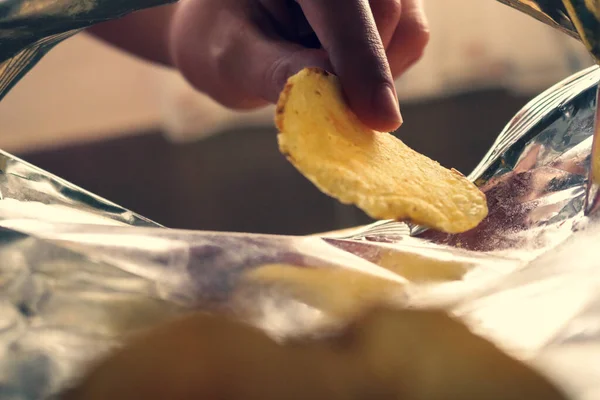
(238, 181)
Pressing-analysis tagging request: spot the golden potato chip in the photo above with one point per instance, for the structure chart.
(417, 267)
(384, 354)
(341, 293)
(373, 170)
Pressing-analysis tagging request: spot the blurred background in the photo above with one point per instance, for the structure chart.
(139, 136)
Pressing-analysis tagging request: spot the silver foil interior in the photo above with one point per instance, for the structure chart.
(78, 273)
(577, 18)
(31, 28)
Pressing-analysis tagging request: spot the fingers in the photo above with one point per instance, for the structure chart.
(240, 52)
(410, 38)
(387, 16)
(229, 56)
(288, 18)
(348, 33)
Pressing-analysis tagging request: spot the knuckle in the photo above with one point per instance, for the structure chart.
(416, 27)
(223, 51)
(277, 73)
(386, 12)
(414, 35)
(421, 36)
(219, 78)
(408, 46)
(389, 7)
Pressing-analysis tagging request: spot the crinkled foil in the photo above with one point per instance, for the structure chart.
(580, 19)
(31, 28)
(78, 273)
(577, 18)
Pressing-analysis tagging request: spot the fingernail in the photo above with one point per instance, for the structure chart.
(386, 105)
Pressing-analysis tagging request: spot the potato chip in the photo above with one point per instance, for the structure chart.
(383, 354)
(417, 267)
(339, 292)
(375, 171)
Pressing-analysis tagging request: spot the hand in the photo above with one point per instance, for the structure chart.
(241, 52)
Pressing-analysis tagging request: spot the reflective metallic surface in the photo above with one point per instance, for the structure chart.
(78, 273)
(580, 19)
(577, 18)
(536, 183)
(550, 12)
(31, 28)
(592, 198)
(585, 15)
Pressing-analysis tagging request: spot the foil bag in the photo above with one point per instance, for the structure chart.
(79, 273)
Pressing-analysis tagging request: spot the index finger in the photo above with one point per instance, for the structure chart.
(349, 35)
